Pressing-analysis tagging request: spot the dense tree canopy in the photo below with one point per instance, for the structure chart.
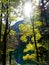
(31, 43)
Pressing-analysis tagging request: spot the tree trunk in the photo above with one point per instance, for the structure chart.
(1, 20)
(44, 12)
(10, 57)
(35, 44)
(5, 38)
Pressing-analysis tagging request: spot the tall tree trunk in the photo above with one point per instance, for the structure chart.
(45, 17)
(5, 37)
(44, 12)
(10, 57)
(35, 44)
(1, 24)
(35, 41)
(1, 20)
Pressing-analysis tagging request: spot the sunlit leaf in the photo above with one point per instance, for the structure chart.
(13, 18)
(12, 32)
(23, 27)
(38, 23)
(38, 36)
(29, 57)
(29, 47)
(23, 38)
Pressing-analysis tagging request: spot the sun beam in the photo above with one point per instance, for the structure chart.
(27, 9)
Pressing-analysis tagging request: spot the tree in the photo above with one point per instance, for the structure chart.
(44, 9)
(27, 40)
(5, 10)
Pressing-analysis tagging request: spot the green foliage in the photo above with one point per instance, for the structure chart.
(12, 32)
(4, 9)
(29, 47)
(38, 23)
(4, 1)
(38, 36)
(27, 30)
(23, 38)
(29, 57)
(12, 18)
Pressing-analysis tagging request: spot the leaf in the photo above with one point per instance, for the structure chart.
(29, 57)
(26, 57)
(23, 38)
(29, 47)
(13, 18)
(12, 32)
(36, 30)
(23, 27)
(38, 36)
(29, 32)
(38, 23)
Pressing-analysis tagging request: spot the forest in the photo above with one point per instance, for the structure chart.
(24, 32)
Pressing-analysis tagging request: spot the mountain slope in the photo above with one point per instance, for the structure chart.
(15, 27)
